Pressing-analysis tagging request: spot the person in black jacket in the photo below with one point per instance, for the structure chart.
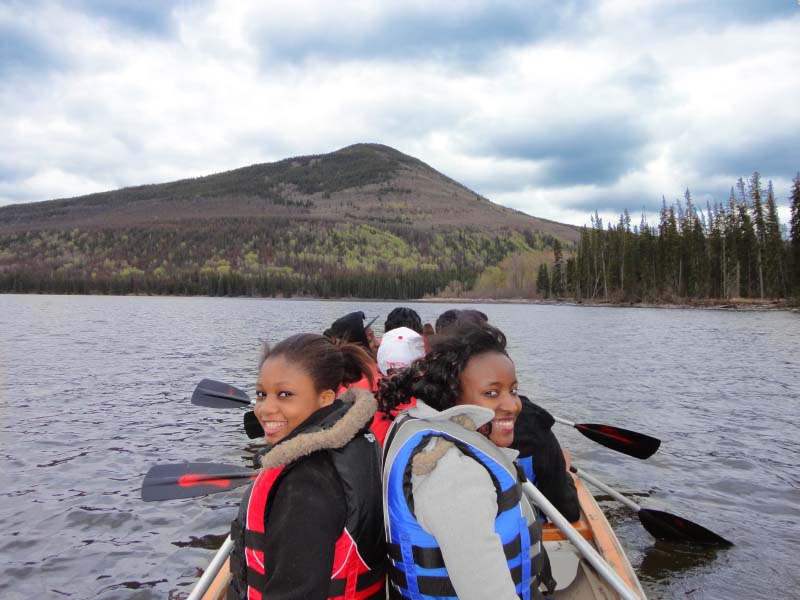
(311, 525)
(543, 460)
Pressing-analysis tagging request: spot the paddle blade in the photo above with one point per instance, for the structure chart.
(189, 480)
(664, 526)
(252, 426)
(216, 394)
(628, 442)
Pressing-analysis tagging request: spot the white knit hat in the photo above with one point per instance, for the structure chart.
(399, 348)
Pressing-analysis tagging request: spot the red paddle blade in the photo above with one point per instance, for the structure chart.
(625, 441)
(189, 480)
(216, 394)
(664, 526)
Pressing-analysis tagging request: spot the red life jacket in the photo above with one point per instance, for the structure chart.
(351, 577)
(359, 570)
(381, 421)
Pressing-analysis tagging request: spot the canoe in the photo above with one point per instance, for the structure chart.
(576, 579)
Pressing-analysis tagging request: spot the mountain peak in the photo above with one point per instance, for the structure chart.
(362, 183)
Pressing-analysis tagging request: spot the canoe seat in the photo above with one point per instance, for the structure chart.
(550, 532)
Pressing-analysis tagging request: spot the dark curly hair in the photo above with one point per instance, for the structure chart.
(436, 377)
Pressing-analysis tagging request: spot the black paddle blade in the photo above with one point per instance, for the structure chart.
(671, 528)
(216, 394)
(628, 442)
(189, 480)
(251, 425)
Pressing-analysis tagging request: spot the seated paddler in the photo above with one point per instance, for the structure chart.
(311, 525)
(457, 523)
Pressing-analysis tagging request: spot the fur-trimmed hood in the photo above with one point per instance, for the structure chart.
(362, 407)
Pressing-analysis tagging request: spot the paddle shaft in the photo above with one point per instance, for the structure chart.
(213, 568)
(608, 490)
(563, 421)
(589, 553)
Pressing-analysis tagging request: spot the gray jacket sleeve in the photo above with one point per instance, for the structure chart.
(457, 504)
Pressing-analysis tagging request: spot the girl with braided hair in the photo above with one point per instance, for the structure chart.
(457, 524)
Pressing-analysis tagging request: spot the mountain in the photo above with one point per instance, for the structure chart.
(365, 220)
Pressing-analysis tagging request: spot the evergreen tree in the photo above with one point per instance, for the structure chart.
(558, 281)
(543, 282)
(773, 249)
(794, 234)
(757, 206)
(747, 243)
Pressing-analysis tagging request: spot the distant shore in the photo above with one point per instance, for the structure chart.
(736, 304)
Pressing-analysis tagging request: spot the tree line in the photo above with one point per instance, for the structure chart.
(235, 257)
(730, 250)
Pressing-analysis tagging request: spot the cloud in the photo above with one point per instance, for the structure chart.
(557, 109)
(599, 151)
(24, 53)
(464, 33)
(146, 16)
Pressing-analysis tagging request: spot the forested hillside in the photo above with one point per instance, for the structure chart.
(364, 221)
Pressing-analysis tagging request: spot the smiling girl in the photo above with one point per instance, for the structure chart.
(311, 526)
(456, 521)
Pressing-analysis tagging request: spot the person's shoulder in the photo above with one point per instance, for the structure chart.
(444, 468)
(534, 415)
(311, 468)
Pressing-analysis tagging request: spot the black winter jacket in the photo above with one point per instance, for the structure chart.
(533, 437)
(307, 512)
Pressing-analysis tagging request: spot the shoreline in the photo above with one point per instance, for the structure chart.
(737, 304)
(734, 304)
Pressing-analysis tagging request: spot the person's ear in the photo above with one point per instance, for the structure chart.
(326, 398)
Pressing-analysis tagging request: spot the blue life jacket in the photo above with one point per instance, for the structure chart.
(526, 462)
(418, 571)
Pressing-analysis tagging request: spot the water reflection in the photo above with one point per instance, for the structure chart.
(209, 542)
(663, 560)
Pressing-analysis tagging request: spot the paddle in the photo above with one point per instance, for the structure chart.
(661, 525)
(628, 442)
(189, 480)
(216, 394)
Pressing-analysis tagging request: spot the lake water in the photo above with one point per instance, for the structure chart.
(95, 390)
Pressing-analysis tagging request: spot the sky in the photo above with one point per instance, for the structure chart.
(558, 109)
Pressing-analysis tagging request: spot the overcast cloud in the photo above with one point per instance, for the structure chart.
(555, 108)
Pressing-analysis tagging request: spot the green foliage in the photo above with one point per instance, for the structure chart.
(251, 257)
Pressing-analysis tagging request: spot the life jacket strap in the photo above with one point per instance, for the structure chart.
(254, 540)
(431, 558)
(430, 585)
